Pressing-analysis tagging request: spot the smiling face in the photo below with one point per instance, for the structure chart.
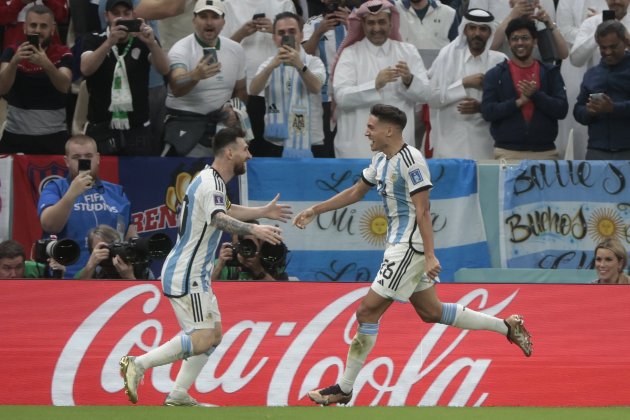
(608, 265)
(377, 27)
(208, 25)
(240, 155)
(522, 44)
(377, 132)
(611, 48)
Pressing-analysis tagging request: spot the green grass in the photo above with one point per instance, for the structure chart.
(310, 413)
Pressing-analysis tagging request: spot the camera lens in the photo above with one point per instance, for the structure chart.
(247, 248)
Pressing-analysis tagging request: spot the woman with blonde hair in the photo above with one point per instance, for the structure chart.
(611, 258)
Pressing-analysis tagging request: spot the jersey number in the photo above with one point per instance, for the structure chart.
(386, 269)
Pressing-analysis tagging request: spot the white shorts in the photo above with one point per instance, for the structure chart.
(401, 273)
(196, 311)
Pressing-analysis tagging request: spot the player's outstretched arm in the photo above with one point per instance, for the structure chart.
(346, 197)
(222, 221)
(272, 210)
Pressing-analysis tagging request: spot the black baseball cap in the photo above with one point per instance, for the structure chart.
(112, 3)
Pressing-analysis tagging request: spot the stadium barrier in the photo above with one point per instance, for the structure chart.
(62, 341)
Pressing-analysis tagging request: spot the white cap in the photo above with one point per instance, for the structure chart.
(215, 6)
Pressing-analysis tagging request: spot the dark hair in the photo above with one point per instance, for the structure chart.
(11, 249)
(608, 27)
(287, 15)
(40, 9)
(225, 137)
(522, 22)
(389, 113)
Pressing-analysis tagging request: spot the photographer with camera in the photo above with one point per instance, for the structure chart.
(102, 264)
(14, 265)
(249, 258)
(70, 207)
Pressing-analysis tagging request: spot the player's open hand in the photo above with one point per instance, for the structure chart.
(271, 234)
(276, 211)
(304, 218)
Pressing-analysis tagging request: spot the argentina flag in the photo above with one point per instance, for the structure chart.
(348, 244)
(553, 213)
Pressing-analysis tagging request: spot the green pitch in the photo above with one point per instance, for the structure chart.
(310, 413)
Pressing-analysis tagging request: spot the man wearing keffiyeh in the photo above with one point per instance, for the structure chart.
(116, 65)
(374, 66)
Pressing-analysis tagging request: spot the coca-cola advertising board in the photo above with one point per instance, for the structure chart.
(61, 342)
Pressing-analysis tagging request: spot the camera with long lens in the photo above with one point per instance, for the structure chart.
(246, 247)
(140, 250)
(273, 257)
(64, 251)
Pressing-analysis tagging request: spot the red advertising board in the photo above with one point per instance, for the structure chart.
(61, 342)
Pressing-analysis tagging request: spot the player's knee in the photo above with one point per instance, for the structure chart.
(217, 336)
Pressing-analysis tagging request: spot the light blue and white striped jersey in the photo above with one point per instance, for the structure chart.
(396, 180)
(189, 264)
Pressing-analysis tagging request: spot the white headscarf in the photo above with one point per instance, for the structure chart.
(450, 57)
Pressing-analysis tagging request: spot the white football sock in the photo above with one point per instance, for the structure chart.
(189, 371)
(360, 348)
(175, 349)
(462, 317)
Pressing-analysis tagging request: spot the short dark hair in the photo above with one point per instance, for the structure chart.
(225, 137)
(390, 114)
(288, 15)
(608, 27)
(40, 9)
(522, 22)
(11, 249)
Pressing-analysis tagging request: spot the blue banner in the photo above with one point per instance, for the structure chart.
(553, 213)
(348, 244)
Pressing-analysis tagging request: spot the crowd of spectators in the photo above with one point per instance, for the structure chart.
(163, 75)
(478, 79)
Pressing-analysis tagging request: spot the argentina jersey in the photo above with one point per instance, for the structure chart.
(396, 180)
(189, 264)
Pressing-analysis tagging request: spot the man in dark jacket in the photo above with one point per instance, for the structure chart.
(604, 100)
(523, 99)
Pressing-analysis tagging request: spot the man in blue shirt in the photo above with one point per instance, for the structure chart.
(71, 206)
(604, 100)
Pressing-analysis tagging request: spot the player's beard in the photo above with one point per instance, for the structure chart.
(239, 169)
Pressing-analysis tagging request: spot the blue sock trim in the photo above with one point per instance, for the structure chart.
(186, 345)
(211, 350)
(368, 328)
(449, 311)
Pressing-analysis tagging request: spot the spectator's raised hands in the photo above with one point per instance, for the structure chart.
(146, 34)
(385, 76)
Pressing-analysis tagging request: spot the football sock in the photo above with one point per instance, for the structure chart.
(361, 346)
(189, 371)
(462, 317)
(179, 347)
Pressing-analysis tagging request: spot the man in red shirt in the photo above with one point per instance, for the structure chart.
(523, 99)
